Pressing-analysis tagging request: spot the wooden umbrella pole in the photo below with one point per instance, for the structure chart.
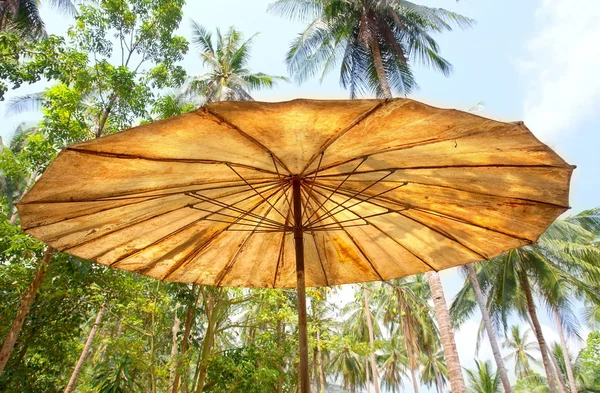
(300, 286)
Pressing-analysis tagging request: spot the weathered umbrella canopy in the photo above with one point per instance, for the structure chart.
(369, 189)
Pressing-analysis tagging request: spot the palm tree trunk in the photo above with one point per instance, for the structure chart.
(385, 86)
(86, 350)
(13, 334)
(538, 333)
(457, 382)
(367, 378)
(320, 363)
(173, 367)
(489, 328)
(413, 377)
(186, 336)
(568, 364)
(371, 340)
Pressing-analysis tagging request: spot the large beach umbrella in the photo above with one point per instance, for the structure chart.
(297, 193)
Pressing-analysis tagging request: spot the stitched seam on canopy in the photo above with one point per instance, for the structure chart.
(232, 126)
(335, 137)
(123, 156)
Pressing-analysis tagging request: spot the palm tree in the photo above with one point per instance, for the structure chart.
(394, 363)
(521, 351)
(457, 381)
(561, 262)
(462, 307)
(227, 59)
(409, 317)
(434, 370)
(348, 364)
(483, 379)
(359, 325)
(22, 17)
(373, 41)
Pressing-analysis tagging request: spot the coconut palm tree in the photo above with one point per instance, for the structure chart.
(434, 370)
(409, 317)
(394, 364)
(463, 306)
(374, 42)
(483, 379)
(22, 17)
(561, 262)
(521, 350)
(228, 78)
(442, 315)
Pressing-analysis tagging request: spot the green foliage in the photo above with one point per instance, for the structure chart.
(589, 360)
(533, 383)
(483, 379)
(364, 39)
(227, 57)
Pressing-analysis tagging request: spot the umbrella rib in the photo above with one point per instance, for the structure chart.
(346, 192)
(312, 231)
(244, 134)
(442, 167)
(367, 199)
(337, 188)
(325, 226)
(282, 180)
(457, 219)
(404, 247)
(234, 217)
(472, 192)
(422, 143)
(198, 251)
(312, 183)
(335, 137)
(124, 196)
(89, 240)
(330, 212)
(446, 235)
(361, 251)
(281, 251)
(155, 242)
(332, 201)
(157, 159)
(255, 190)
(149, 198)
(236, 209)
(434, 212)
(223, 273)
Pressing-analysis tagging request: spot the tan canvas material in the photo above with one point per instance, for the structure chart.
(389, 188)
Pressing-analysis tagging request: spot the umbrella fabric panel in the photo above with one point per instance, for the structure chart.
(193, 137)
(293, 131)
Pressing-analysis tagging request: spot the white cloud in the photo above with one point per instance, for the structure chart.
(562, 66)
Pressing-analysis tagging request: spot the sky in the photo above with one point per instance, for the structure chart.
(535, 61)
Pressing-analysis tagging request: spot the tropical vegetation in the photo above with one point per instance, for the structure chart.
(67, 324)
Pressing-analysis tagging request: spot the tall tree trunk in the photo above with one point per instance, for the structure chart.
(383, 81)
(13, 334)
(457, 382)
(371, 340)
(211, 309)
(320, 363)
(537, 329)
(186, 336)
(563, 343)
(86, 350)
(413, 377)
(562, 384)
(485, 315)
(174, 347)
(367, 378)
